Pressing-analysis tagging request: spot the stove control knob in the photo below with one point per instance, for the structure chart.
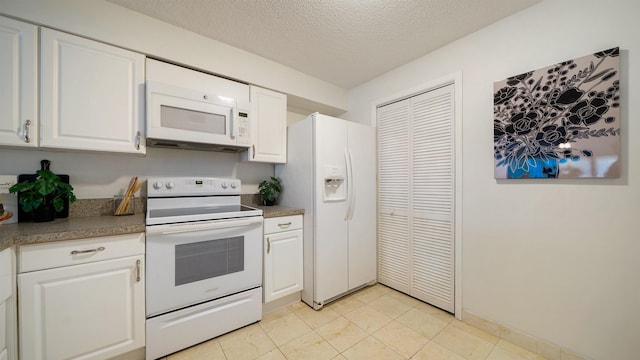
(233, 185)
(170, 185)
(224, 185)
(157, 185)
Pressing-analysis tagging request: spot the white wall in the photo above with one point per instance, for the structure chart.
(557, 260)
(293, 117)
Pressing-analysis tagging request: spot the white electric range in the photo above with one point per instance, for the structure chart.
(204, 262)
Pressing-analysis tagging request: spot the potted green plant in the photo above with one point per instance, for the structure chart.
(43, 196)
(269, 190)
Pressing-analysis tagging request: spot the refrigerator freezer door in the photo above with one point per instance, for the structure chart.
(362, 226)
(330, 242)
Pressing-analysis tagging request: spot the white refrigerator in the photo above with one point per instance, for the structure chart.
(331, 173)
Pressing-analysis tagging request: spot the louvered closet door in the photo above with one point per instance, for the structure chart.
(416, 196)
(433, 198)
(393, 195)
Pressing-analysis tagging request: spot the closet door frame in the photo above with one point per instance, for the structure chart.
(454, 79)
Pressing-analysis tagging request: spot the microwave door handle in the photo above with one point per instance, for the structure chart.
(233, 124)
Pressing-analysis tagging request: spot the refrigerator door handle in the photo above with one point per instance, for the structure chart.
(350, 188)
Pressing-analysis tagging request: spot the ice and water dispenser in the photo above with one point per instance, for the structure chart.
(335, 188)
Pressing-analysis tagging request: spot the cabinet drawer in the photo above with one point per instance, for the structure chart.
(283, 223)
(72, 252)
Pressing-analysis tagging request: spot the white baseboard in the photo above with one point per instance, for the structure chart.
(280, 303)
(534, 344)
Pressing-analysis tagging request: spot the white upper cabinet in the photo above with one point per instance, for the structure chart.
(18, 83)
(91, 96)
(268, 127)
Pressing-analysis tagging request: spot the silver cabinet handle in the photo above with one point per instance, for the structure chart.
(253, 150)
(285, 225)
(27, 139)
(138, 135)
(268, 245)
(138, 271)
(76, 252)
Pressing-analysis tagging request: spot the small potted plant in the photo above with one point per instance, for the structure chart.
(43, 196)
(269, 190)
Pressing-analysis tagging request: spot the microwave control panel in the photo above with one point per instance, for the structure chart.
(243, 128)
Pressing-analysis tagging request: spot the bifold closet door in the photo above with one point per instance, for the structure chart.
(393, 195)
(416, 228)
(433, 198)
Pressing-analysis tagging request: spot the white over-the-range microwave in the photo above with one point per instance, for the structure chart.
(193, 110)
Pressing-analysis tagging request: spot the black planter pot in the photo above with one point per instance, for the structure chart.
(268, 202)
(44, 213)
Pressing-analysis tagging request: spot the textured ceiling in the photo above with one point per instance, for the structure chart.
(344, 42)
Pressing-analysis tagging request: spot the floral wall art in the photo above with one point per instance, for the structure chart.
(561, 121)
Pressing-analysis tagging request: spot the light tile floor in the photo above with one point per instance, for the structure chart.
(374, 323)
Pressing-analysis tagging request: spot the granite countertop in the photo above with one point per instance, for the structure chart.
(92, 218)
(69, 228)
(253, 200)
(277, 211)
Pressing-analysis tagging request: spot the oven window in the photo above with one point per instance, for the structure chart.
(209, 259)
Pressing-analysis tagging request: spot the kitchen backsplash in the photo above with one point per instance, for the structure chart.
(251, 199)
(104, 206)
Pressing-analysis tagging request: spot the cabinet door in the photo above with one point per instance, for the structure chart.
(268, 126)
(5, 296)
(94, 310)
(6, 328)
(18, 83)
(92, 95)
(7, 305)
(282, 264)
(3, 330)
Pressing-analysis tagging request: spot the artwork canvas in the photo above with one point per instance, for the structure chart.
(561, 121)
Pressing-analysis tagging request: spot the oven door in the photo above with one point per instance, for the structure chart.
(189, 263)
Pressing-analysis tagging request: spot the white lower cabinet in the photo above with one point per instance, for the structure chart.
(283, 270)
(89, 303)
(7, 305)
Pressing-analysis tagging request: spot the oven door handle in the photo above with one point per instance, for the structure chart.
(202, 226)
